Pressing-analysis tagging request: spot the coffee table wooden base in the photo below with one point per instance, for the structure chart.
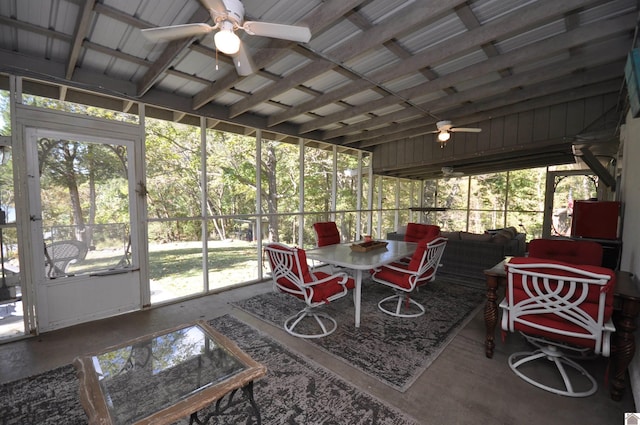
(228, 402)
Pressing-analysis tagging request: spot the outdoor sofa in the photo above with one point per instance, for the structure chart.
(467, 255)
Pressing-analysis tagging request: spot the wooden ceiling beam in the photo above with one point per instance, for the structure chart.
(14, 23)
(120, 16)
(84, 18)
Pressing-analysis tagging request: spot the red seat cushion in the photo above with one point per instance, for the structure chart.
(418, 231)
(399, 279)
(327, 289)
(569, 251)
(326, 233)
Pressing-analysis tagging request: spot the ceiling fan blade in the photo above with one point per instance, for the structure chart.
(283, 32)
(176, 31)
(243, 62)
(465, 130)
(215, 5)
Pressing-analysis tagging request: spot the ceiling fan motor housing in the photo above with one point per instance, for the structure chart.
(234, 12)
(443, 125)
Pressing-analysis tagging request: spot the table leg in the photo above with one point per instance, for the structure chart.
(247, 390)
(624, 345)
(491, 315)
(357, 295)
(248, 393)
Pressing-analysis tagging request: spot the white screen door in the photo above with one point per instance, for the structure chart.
(81, 213)
(562, 189)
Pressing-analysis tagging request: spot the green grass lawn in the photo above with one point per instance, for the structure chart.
(176, 268)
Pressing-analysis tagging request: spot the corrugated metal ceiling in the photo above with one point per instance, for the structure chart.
(393, 56)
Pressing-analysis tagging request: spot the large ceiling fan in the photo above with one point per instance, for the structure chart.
(228, 16)
(445, 128)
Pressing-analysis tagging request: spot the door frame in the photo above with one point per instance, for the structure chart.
(550, 185)
(32, 120)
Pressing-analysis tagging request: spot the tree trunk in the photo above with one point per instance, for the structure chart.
(269, 172)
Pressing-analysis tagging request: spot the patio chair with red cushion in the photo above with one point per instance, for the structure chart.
(406, 278)
(292, 276)
(564, 310)
(419, 231)
(327, 233)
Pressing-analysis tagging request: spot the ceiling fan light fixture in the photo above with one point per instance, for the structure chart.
(226, 40)
(444, 136)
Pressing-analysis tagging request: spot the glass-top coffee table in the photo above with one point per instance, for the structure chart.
(163, 377)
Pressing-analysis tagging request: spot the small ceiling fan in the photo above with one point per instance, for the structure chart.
(445, 128)
(450, 172)
(228, 17)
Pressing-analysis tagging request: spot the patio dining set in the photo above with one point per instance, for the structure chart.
(558, 296)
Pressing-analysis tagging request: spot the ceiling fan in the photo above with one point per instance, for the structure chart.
(228, 17)
(450, 172)
(445, 128)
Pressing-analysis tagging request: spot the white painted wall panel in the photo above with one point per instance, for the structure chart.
(631, 224)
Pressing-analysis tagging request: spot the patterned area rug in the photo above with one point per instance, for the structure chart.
(392, 349)
(294, 391)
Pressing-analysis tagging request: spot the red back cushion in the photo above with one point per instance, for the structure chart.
(418, 231)
(416, 259)
(568, 251)
(326, 233)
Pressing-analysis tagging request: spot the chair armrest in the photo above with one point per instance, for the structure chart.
(316, 281)
(398, 267)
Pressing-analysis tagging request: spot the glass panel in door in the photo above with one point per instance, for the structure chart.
(84, 194)
(567, 187)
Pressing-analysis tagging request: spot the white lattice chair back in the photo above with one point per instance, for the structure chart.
(430, 261)
(285, 266)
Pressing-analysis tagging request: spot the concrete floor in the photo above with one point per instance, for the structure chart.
(462, 386)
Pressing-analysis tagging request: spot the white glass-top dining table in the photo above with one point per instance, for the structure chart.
(343, 256)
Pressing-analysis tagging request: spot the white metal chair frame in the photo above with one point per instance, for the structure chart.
(561, 296)
(430, 261)
(60, 255)
(285, 264)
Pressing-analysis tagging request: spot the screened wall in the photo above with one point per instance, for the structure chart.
(213, 198)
